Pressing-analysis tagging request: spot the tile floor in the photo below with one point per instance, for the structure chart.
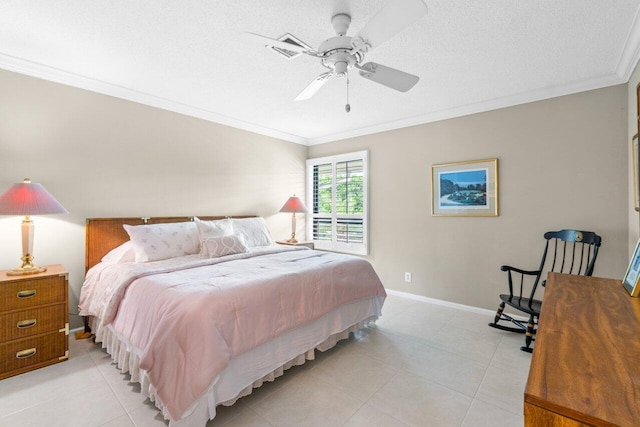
(421, 365)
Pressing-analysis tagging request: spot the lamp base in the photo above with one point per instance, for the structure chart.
(27, 267)
(20, 271)
(293, 240)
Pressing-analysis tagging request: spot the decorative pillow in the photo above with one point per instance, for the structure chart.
(215, 228)
(254, 231)
(155, 242)
(122, 253)
(215, 247)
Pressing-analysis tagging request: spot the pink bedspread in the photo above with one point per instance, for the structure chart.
(189, 323)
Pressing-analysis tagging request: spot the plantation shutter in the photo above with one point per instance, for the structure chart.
(337, 192)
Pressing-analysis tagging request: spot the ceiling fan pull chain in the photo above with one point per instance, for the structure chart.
(347, 107)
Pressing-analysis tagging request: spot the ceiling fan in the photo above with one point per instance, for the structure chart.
(341, 53)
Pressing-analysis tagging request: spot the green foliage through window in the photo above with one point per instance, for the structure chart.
(349, 188)
(338, 208)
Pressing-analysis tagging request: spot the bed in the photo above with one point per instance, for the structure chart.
(201, 318)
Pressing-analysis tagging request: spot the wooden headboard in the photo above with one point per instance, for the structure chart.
(104, 234)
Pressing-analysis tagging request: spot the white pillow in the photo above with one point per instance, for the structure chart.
(155, 242)
(215, 247)
(215, 228)
(122, 253)
(254, 231)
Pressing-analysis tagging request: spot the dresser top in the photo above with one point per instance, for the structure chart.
(585, 362)
(52, 270)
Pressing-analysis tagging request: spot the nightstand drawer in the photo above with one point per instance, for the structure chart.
(25, 323)
(29, 353)
(24, 293)
(33, 312)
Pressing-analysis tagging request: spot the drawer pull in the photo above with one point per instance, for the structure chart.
(27, 293)
(26, 353)
(26, 323)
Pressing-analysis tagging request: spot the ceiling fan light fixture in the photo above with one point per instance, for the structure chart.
(340, 68)
(339, 61)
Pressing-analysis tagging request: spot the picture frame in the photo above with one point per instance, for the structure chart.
(468, 188)
(632, 276)
(636, 175)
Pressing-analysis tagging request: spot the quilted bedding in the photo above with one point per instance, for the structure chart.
(188, 317)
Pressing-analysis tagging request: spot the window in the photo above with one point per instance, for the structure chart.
(337, 202)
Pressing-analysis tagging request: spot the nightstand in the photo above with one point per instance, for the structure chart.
(307, 244)
(34, 320)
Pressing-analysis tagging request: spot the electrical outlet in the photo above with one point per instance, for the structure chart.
(407, 277)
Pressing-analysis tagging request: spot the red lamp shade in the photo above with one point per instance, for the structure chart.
(29, 198)
(293, 204)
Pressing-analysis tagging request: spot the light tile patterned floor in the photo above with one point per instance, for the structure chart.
(421, 365)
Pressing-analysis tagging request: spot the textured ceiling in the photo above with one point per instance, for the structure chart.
(190, 56)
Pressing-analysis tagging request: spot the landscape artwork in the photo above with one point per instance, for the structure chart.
(465, 188)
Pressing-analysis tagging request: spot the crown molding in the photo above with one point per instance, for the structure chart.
(480, 107)
(56, 75)
(631, 51)
(627, 63)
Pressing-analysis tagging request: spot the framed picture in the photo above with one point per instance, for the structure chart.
(465, 188)
(636, 187)
(630, 281)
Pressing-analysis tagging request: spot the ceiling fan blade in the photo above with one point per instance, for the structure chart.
(390, 77)
(268, 42)
(394, 17)
(314, 86)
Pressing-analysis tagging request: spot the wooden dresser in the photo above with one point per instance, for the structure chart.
(34, 320)
(585, 368)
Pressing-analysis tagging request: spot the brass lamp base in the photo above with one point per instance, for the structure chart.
(24, 271)
(26, 268)
(293, 240)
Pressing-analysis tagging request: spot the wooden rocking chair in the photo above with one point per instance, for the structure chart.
(571, 251)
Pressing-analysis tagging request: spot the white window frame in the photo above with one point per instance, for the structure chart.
(333, 244)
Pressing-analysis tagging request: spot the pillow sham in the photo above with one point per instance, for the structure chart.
(156, 242)
(122, 253)
(215, 247)
(215, 228)
(254, 231)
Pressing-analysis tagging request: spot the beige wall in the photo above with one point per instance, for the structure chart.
(103, 157)
(562, 164)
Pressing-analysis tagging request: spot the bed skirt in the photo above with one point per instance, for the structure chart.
(251, 369)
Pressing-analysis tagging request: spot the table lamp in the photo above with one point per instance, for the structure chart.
(27, 199)
(293, 204)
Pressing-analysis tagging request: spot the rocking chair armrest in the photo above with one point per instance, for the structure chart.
(518, 270)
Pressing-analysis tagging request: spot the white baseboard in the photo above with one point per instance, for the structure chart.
(452, 304)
